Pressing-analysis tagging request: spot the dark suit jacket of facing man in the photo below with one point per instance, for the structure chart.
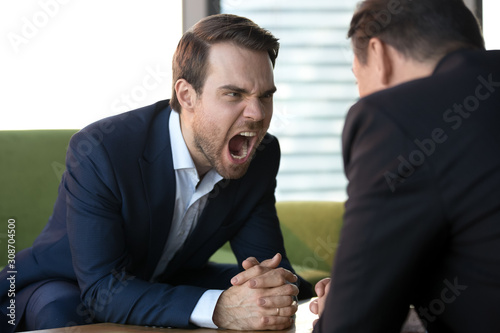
(112, 219)
(422, 222)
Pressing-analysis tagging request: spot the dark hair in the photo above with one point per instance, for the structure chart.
(419, 29)
(190, 58)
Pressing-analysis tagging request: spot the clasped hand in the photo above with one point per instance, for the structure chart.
(322, 289)
(262, 297)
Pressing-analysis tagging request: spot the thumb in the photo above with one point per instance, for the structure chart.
(273, 262)
(249, 263)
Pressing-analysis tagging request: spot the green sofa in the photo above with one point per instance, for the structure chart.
(31, 166)
(310, 230)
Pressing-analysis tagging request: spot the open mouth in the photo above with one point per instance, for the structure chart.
(241, 145)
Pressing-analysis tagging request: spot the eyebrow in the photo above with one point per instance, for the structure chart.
(244, 91)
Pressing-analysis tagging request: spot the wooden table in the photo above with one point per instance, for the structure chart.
(303, 324)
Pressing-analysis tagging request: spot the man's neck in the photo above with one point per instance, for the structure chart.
(410, 69)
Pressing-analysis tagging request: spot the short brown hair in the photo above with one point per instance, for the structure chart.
(190, 58)
(419, 29)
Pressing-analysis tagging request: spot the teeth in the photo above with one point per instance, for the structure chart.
(248, 134)
(244, 152)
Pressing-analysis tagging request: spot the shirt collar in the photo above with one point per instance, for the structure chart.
(180, 153)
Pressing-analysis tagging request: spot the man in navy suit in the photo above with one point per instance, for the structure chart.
(150, 195)
(421, 152)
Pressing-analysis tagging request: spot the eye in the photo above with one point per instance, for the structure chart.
(267, 96)
(233, 94)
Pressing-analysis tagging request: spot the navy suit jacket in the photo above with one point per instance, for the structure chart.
(113, 215)
(422, 222)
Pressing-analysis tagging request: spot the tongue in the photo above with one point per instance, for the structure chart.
(235, 145)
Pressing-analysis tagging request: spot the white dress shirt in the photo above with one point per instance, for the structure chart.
(191, 196)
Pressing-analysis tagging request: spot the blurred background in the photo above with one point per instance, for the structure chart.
(68, 63)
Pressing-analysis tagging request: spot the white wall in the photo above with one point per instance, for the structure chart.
(491, 24)
(68, 63)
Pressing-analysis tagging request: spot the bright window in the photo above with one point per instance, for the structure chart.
(316, 87)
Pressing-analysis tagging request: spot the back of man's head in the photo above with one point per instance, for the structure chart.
(424, 30)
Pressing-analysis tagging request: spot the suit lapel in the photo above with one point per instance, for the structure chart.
(159, 183)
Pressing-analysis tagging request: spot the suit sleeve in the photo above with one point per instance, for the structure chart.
(261, 236)
(99, 252)
(393, 221)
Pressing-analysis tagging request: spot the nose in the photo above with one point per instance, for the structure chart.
(254, 110)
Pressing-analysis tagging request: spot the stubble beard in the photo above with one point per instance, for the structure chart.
(205, 142)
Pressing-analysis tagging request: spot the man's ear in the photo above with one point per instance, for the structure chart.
(383, 60)
(186, 95)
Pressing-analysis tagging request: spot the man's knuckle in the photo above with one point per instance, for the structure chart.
(290, 289)
(259, 269)
(262, 323)
(283, 272)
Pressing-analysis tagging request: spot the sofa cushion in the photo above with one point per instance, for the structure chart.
(31, 167)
